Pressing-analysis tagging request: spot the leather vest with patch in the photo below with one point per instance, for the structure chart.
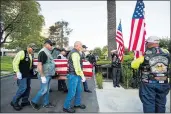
(156, 64)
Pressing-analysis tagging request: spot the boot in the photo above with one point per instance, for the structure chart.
(16, 106)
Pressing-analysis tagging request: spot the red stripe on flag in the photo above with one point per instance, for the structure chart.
(120, 42)
(132, 28)
(138, 30)
(61, 65)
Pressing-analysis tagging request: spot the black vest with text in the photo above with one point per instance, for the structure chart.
(24, 65)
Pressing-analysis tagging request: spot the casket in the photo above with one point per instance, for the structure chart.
(61, 67)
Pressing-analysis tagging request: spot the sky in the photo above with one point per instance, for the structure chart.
(88, 19)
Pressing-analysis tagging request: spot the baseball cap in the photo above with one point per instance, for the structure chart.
(114, 51)
(63, 49)
(84, 46)
(32, 45)
(49, 42)
(153, 39)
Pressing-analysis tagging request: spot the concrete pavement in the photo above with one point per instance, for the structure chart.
(8, 90)
(112, 99)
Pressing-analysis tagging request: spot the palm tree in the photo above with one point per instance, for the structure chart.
(111, 9)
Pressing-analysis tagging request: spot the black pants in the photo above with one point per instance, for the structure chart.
(116, 73)
(62, 85)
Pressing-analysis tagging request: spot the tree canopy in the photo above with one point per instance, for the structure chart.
(21, 22)
(164, 42)
(60, 32)
(97, 51)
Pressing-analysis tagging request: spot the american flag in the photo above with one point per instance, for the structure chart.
(120, 42)
(138, 32)
(61, 67)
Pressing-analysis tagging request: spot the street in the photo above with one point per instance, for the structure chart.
(8, 90)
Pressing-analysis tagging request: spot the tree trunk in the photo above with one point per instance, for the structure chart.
(111, 26)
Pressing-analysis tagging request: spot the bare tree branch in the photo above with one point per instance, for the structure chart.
(9, 25)
(4, 41)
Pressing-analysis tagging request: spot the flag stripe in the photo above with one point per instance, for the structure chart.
(120, 42)
(138, 32)
(131, 38)
(141, 38)
(61, 67)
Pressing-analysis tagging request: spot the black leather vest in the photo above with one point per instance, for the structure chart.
(71, 69)
(24, 65)
(117, 62)
(156, 63)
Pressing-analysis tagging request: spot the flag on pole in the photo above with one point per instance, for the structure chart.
(120, 42)
(137, 54)
(138, 32)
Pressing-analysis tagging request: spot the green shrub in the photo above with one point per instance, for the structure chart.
(128, 58)
(127, 74)
(102, 57)
(102, 62)
(99, 80)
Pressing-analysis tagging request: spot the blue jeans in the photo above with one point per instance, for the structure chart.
(43, 92)
(153, 97)
(74, 90)
(23, 90)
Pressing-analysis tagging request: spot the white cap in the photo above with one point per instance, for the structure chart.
(153, 39)
(114, 51)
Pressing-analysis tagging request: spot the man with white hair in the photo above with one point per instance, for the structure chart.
(154, 85)
(75, 76)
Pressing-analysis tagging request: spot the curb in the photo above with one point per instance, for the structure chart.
(6, 76)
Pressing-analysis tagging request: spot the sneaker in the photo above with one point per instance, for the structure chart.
(25, 104)
(70, 110)
(34, 105)
(80, 106)
(49, 106)
(16, 106)
(50, 90)
(66, 91)
(118, 86)
(88, 91)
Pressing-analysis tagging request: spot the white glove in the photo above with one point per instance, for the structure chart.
(83, 79)
(19, 75)
(43, 78)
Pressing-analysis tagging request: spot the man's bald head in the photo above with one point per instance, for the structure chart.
(78, 45)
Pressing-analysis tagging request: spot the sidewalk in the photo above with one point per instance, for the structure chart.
(112, 99)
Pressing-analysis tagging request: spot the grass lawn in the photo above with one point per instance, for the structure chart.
(6, 63)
